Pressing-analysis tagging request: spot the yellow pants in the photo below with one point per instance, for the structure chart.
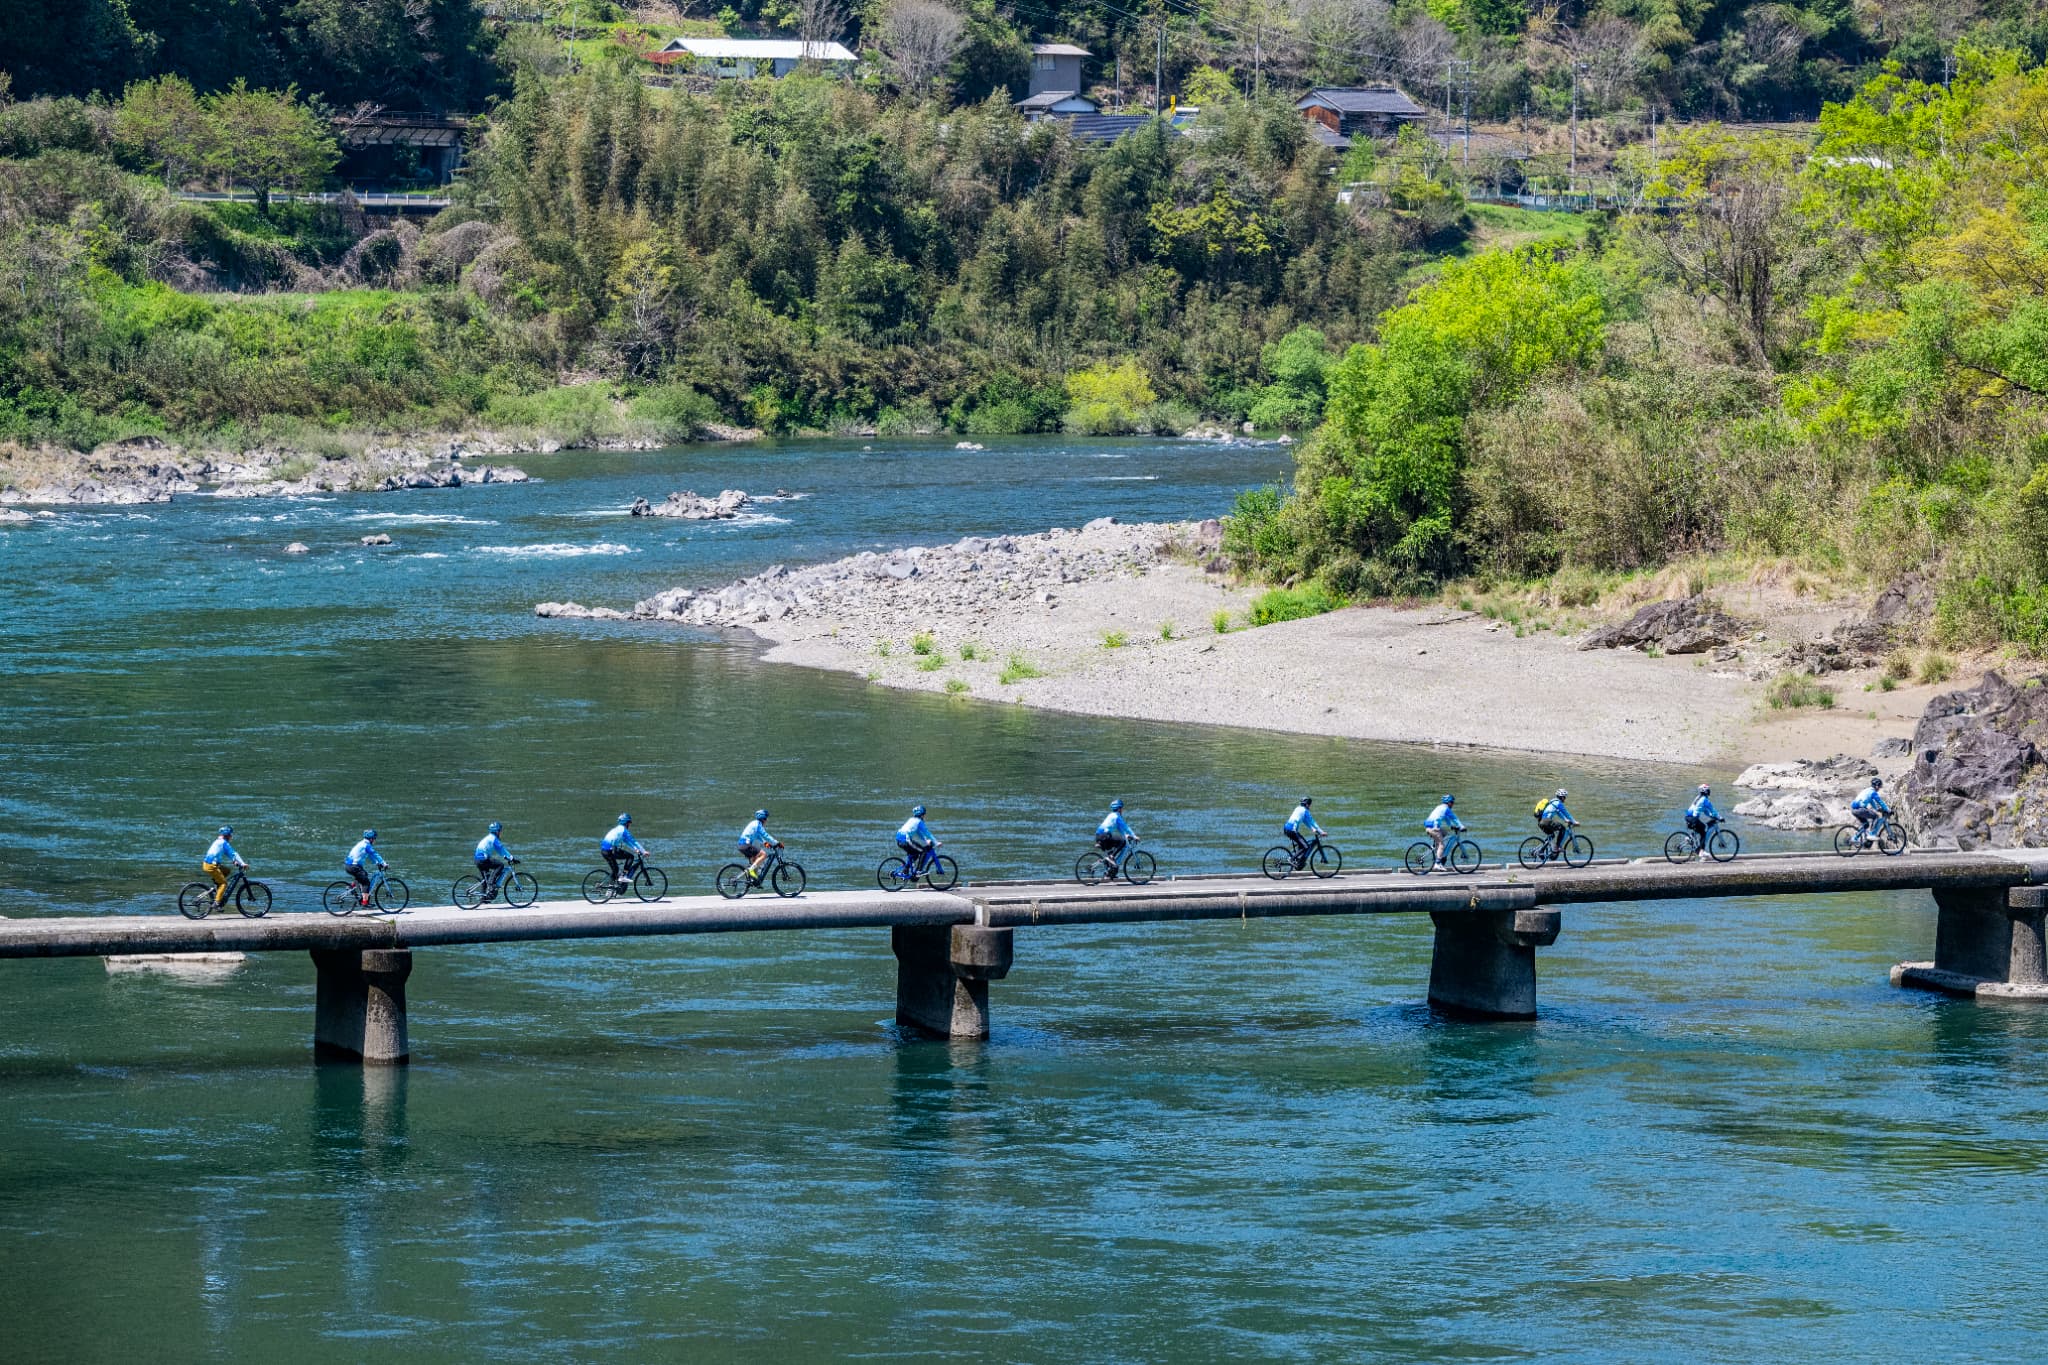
(220, 881)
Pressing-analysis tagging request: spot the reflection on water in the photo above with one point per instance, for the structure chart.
(1725, 1137)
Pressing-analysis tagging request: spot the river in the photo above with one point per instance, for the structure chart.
(1725, 1137)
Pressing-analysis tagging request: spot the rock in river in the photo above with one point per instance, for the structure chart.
(687, 506)
(1978, 778)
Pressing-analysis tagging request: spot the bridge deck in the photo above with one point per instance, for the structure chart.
(1375, 891)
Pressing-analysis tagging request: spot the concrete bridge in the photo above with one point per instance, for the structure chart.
(1988, 940)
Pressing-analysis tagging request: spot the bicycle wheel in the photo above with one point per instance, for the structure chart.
(1465, 856)
(1846, 842)
(1892, 842)
(789, 879)
(732, 881)
(1139, 867)
(1421, 857)
(1578, 851)
(520, 889)
(892, 874)
(253, 899)
(393, 894)
(943, 874)
(1532, 852)
(1325, 860)
(469, 892)
(599, 886)
(1725, 844)
(1090, 869)
(650, 883)
(339, 898)
(195, 900)
(1680, 846)
(1278, 862)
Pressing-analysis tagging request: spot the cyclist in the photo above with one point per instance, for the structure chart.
(1554, 820)
(363, 852)
(1701, 817)
(1300, 825)
(218, 855)
(914, 837)
(492, 858)
(1442, 822)
(1114, 834)
(755, 841)
(620, 848)
(1868, 806)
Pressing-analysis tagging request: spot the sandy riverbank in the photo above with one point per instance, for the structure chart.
(1434, 674)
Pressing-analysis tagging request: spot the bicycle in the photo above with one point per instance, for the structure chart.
(1460, 853)
(1721, 844)
(1886, 837)
(1320, 858)
(195, 899)
(1575, 849)
(519, 888)
(1134, 864)
(937, 871)
(644, 880)
(787, 878)
(386, 892)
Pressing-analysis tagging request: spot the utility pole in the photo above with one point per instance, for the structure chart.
(1577, 67)
(1948, 67)
(1465, 96)
(1258, 37)
(1159, 79)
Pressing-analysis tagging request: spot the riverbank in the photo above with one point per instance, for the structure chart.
(1123, 620)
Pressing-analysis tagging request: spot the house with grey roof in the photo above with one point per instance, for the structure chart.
(1055, 104)
(1342, 113)
(1056, 66)
(745, 58)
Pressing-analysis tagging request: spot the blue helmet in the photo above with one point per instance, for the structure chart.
(1117, 804)
(226, 832)
(625, 819)
(1450, 800)
(1875, 783)
(760, 815)
(497, 827)
(918, 811)
(370, 834)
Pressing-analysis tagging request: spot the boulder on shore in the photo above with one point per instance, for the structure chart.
(1978, 778)
(1689, 625)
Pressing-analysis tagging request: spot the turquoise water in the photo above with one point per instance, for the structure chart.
(1725, 1137)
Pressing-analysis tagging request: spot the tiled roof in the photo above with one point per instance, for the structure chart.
(1046, 99)
(1105, 127)
(1059, 50)
(1370, 99)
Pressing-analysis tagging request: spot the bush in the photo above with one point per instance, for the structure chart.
(1254, 536)
(1898, 666)
(955, 686)
(673, 412)
(1108, 400)
(922, 644)
(1115, 639)
(1793, 691)
(1017, 670)
(576, 415)
(1937, 668)
(1292, 604)
(1220, 623)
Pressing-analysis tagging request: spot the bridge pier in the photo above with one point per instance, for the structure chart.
(359, 1004)
(1484, 964)
(942, 975)
(1988, 944)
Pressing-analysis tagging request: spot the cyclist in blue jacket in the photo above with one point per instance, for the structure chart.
(1700, 816)
(755, 841)
(1115, 834)
(1555, 821)
(1441, 823)
(914, 837)
(492, 858)
(1301, 826)
(620, 848)
(361, 858)
(1868, 806)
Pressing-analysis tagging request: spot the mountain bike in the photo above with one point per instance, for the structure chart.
(1134, 864)
(647, 882)
(1575, 849)
(1884, 836)
(195, 899)
(518, 888)
(386, 892)
(937, 871)
(1721, 844)
(1321, 858)
(1460, 853)
(787, 878)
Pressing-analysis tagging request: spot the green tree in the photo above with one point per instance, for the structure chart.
(269, 140)
(164, 125)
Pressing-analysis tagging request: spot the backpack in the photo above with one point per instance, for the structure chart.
(1542, 806)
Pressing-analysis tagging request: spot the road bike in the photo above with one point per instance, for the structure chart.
(647, 882)
(934, 868)
(1320, 858)
(1884, 836)
(195, 899)
(386, 892)
(518, 889)
(1575, 849)
(1721, 844)
(1134, 865)
(1460, 853)
(778, 872)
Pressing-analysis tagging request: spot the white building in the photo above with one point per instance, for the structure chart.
(745, 58)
